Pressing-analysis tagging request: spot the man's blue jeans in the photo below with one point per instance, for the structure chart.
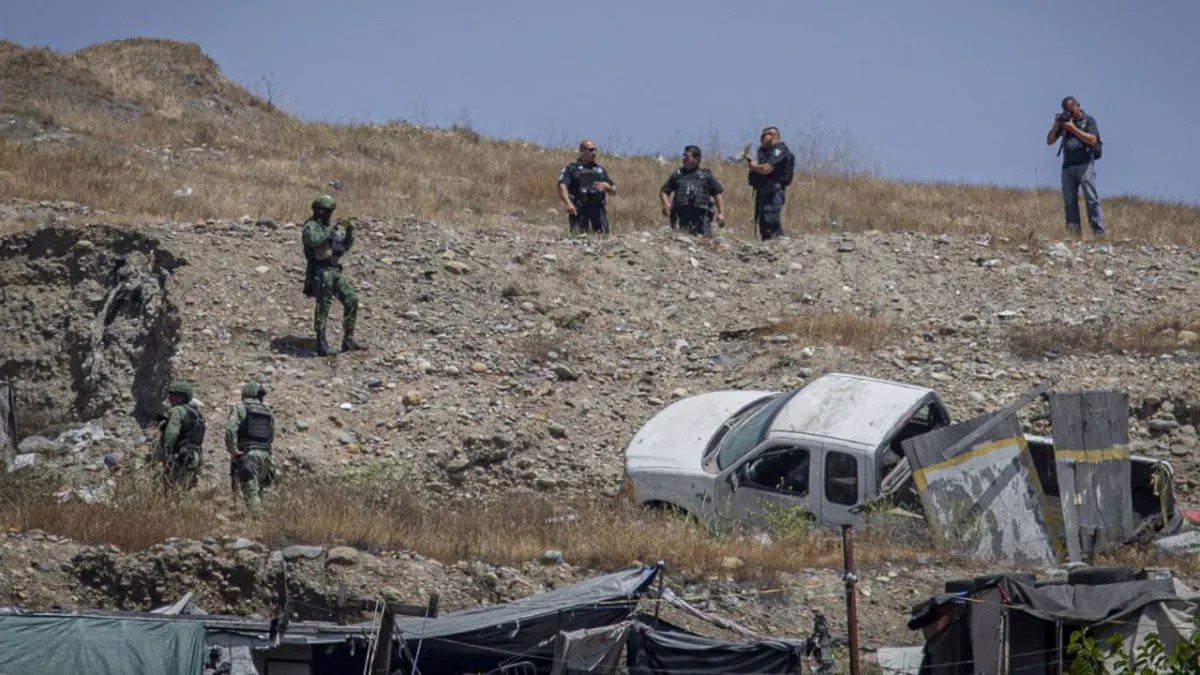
(1073, 178)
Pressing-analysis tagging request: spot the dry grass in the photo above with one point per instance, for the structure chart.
(845, 330)
(156, 94)
(136, 517)
(508, 531)
(1139, 557)
(274, 169)
(1153, 337)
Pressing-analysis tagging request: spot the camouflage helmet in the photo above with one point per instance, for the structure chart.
(324, 202)
(182, 388)
(254, 389)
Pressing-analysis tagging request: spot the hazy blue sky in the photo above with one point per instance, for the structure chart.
(949, 90)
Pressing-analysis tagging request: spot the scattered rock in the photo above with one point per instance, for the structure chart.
(1186, 543)
(300, 551)
(1162, 425)
(563, 373)
(343, 555)
(731, 563)
(557, 430)
(40, 445)
(552, 557)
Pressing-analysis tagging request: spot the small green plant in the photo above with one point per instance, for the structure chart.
(787, 523)
(1092, 657)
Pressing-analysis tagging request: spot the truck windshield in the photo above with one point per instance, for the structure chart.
(745, 430)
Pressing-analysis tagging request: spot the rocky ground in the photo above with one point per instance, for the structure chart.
(518, 360)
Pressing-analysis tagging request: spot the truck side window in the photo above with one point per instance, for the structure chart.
(841, 478)
(783, 470)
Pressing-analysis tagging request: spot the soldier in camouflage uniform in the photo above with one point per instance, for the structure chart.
(249, 434)
(182, 443)
(324, 245)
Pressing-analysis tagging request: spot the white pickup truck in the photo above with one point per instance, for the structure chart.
(825, 448)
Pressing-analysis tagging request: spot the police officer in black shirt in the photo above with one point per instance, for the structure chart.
(769, 174)
(688, 195)
(583, 186)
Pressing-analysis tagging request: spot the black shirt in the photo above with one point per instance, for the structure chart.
(578, 177)
(672, 184)
(775, 155)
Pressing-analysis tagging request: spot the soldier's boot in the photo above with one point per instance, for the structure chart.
(349, 344)
(322, 345)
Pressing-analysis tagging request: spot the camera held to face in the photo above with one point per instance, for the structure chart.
(1063, 117)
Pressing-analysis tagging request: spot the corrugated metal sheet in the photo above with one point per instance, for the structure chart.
(985, 498)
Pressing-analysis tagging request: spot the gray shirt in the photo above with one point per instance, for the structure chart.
(1075, 151)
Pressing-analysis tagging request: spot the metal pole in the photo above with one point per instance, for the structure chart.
(1058, 631)
(851, 577)
(662, 572)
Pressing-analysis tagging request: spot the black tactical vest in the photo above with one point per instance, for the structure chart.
(585, 177)
(692, 189)
(192, 430)
(256, 428)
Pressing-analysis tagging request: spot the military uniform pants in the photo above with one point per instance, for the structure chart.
(253, 472)
(331, 284)
(768, 211)
(183, 468)
(591, 219)
(694, 221)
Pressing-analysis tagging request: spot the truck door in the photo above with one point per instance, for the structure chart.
(776, 476)
(839, 485)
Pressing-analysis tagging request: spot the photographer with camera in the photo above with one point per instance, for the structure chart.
(582, 187)
(1080, 147)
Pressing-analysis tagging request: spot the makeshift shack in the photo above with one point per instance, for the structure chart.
(589, 627)
(476, 640)
(1013, 623)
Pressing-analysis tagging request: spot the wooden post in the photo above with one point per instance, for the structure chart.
(851, 577)
(381, 663)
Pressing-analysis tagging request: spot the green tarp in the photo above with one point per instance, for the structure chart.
(53, 645)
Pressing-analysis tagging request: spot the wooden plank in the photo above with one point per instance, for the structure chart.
(381, 655)
(1091, 439)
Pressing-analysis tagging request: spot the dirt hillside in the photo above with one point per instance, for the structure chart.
(509, 364)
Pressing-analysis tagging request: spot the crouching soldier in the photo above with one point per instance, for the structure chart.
(249, 435)
(182, 443)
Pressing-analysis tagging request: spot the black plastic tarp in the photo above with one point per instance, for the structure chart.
(651, 652)
(479, 640)
(1068, 603)
(1084, 604)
